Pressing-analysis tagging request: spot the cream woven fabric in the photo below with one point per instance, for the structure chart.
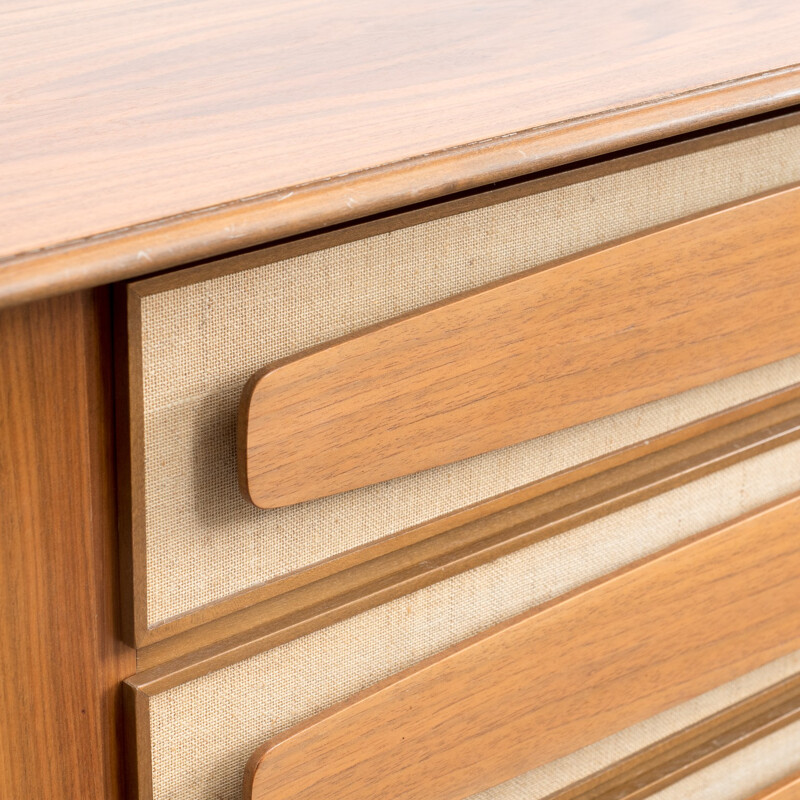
(202, 342)
(742, 774)
(203, 731)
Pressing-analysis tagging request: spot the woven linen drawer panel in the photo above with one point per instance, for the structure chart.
(201, 733)
(196, 336)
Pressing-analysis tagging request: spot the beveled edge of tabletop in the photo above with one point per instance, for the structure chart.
(251, 222)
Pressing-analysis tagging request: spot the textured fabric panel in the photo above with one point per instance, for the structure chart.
(204, 731)
(744, 773)
(202, 342)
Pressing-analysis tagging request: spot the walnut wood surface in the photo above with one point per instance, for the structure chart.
(61, 661)
(424, 554)
(673, 758)
(652, 316)
(553, 680)
(196, 128)
(788, 789)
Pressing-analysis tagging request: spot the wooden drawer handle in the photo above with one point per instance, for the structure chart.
(647, 317)
(557, 678)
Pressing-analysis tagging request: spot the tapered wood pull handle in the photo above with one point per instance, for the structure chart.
(644, 318)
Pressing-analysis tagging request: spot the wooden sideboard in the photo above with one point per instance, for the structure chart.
(400, 401)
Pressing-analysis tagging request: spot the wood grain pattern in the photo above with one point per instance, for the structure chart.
(788, 789)
(657, 314)
(553, 680)
(61, 661)
(465, 539)
(697, 746)
(194, 129)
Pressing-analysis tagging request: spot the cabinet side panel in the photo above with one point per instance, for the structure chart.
(61, 660)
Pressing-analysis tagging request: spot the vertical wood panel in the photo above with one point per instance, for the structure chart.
(61, 660)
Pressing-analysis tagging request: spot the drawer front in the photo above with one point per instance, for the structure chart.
(198, 548)
(556, 679)
(196, 736)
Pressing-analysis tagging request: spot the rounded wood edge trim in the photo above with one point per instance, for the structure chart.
(468, 200)
(138, 744)
(214, 231)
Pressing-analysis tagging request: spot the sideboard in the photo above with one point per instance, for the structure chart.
(400, 401)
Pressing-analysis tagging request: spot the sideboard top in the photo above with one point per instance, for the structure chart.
(136, 136)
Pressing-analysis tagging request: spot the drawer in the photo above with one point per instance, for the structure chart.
(557, 679)
(197, 550)
(610, 648)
